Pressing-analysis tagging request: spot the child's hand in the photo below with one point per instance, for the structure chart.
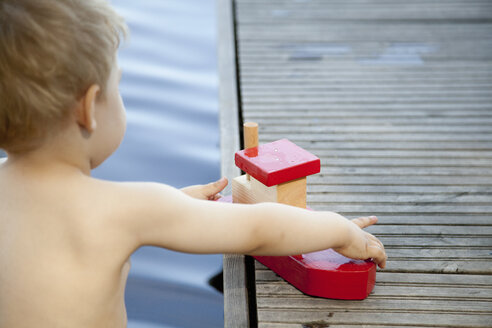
(206, 192)
(362, 245)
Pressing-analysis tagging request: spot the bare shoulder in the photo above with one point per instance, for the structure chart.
(135, 207)
(129, 199)
(136, 195)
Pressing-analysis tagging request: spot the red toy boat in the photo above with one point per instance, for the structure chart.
(277, 172)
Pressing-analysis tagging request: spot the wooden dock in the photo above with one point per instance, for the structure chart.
(395, 97)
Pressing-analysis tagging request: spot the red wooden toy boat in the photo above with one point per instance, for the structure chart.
(277, 172)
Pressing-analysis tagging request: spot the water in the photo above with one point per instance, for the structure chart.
(169, 87)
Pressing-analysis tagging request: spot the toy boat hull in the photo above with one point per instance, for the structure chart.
(325, 274)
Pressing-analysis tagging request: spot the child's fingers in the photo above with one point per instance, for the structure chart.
(365, 221)
(378, 255)
(376, 251)
(376, 240)
(215, 187)
(215, 197)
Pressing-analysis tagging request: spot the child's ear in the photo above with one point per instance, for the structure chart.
(86, 109)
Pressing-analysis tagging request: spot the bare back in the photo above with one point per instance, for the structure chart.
(60, 258)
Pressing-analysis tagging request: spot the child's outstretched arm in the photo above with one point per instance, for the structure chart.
(159, 215)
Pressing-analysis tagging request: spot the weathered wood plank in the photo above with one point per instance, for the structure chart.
(379, 208)
(361, 113)
(417, 230)
(320, 106)
(381, 136)
(303, 121)
(421, 219)
(327, 318)
(404, 131)
(410, 180)
(437, 241)
(333, 160)
(312, 145)
(322, 324)
(252, 12)
(478, 132)
(363, 2)
(422, 292)
(265, 275)
(376, 304)
(407, 33)
(236, 308)
(437, 265)
(484, 172)
(354, 197)
(351, 71)
(441, 191)
(411, 95)
(409, 154)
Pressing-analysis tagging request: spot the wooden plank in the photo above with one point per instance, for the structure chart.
(318, 131)
(484, 172)
(434, 241)
(236, 307)
(284, 289)
(315, 82)
(322, 324)
(379, 135)
(443, 191)
(436, 265)
(369, 56)
(349, 68)
(367, 95)
(442, 266)
(312, 145)
(406, 180)
(407, 33)
(421, 219)
(345, 161)
(358, 113)
(265, 275)
(439, 264)
(294, 79)
(386, 318)
(417, 230)
(376, 304)
(346, 71)
(447, 254)
(303, 121)
(363, 93)
(421, 154)
(378, 208)
(364, 2)
(435, 279)
(320, 106)
(347, 11)
(338, 198)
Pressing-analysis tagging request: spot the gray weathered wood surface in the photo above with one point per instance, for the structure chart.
(236, 304)
(395, 97)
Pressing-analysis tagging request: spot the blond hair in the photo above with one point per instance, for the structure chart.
(51, 52)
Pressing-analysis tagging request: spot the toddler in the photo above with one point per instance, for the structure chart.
(65, 237)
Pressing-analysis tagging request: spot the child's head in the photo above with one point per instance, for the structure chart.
(51, 52)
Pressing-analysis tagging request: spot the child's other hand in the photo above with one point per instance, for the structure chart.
(362, 245)
(206, 192)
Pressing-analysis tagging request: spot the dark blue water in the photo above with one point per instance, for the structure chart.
(169, 87)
